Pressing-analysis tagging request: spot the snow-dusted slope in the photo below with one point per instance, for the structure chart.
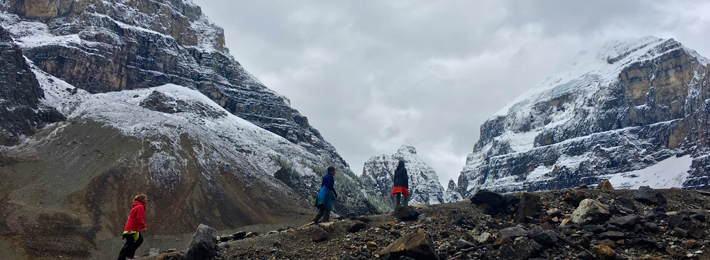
(424, 185)
(453, 193)
(620, 109)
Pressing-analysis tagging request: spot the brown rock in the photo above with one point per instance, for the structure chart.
(690, 243)
(603, 252)
(501, 241)
(574, 197)
(414, 245)
(520, 249)
(608, 242)
(605, 185)
(696, 230)
(318, 234)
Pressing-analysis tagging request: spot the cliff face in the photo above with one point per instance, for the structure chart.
(424, 186)
(634, 112)
(103, 46)
(21, 113)
(151, 102)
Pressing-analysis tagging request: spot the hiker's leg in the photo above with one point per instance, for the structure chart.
(396, 200)
(126, 247)
(136, 245)
(405, 201)
(321, 211)
(326, 216)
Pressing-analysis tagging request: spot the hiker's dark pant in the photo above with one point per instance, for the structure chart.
(322, 212)
(129, 248)
(398, 197)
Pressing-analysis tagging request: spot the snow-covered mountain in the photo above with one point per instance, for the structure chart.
(634, 112)
(424, 186)
(103, 100)
(453, 193)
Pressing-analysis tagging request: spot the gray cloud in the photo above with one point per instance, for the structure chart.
(372, 75)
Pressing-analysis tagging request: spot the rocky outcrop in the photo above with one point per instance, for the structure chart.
(424, 185)
(624, 113)
(453, 193)
(104, 46)
(21, 112)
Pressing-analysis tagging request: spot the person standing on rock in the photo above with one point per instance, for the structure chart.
(400, 191)
(134, 226)
(324, 201)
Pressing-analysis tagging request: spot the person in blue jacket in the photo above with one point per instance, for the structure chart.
(324, 201)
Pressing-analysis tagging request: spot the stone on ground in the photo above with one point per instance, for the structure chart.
(203, 245)
(590, 211)
(605, 185)
(406, 213)
(648, 195)
(415, 245)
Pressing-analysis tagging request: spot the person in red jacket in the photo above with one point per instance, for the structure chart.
(134, 226)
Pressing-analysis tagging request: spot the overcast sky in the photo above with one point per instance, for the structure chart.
(372, 75)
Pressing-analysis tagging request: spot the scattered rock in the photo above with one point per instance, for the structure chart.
(239, 235)
(483, 238)
(203, 244)
(574, 197)
(346, 256)
(696, 230)
(603, 252)
(502, 241)
(605, 185)
(277, 244)
(357, 226)
(415, 245)
(406, 213)
(318, 234)
(583, 187)
(590, 211)
(546, 238)
(488, 197)
(647, 195)
(512, 232)
(612, 235)
(626, 222)
(529, 207)
(519, 250)
(463, 244)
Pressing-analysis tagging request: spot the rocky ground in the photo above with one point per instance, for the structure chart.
(565, 224)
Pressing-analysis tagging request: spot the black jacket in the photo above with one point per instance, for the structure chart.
(401, 178)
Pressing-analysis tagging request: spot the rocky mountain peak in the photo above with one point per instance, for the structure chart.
(424, 185)
(407, 149)
(615, 113)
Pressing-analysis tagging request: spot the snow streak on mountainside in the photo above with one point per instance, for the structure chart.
(424, 186)
(616, 112)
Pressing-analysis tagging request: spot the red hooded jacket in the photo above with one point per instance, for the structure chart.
(136, 219)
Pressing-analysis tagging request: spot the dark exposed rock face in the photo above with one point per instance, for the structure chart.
(20, 110)
(103, 46)
(642, 102)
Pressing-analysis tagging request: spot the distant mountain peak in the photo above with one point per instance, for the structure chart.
(616, 113)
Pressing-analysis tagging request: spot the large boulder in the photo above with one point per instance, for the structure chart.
(406, 213)
(491, 202)
(415, 245)
(203, 245)
(647, 195)
(590, 211)
(528, 207)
